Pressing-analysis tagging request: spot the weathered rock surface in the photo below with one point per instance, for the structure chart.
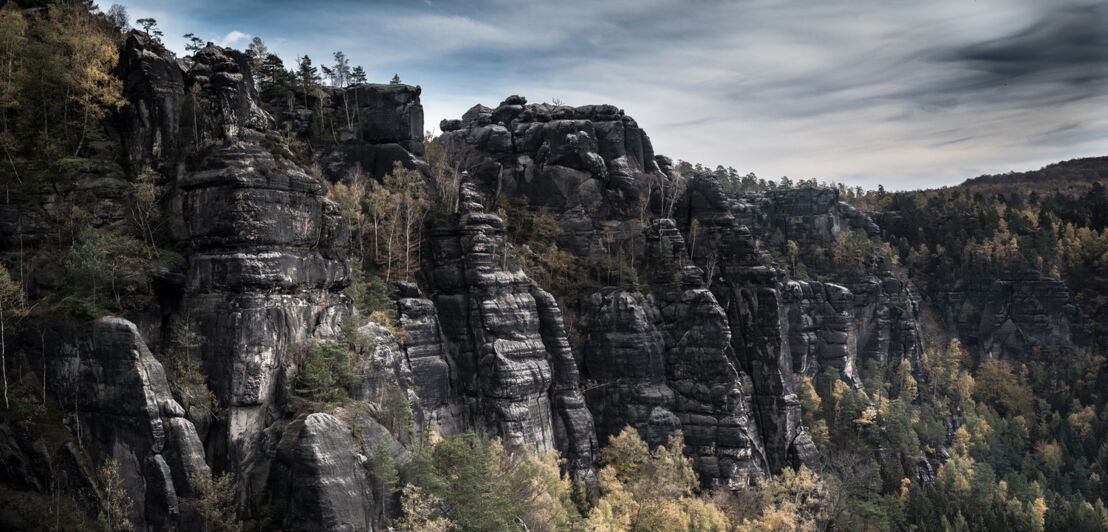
(808, 215)
(711, 348)
(117, 399)
(488, 349)
(1010, 316)
(375, 126)
(266, 250)
(593, 158)
(842, 326)
(669, 369)
(751, 297)
(821, 332)
(318, 479)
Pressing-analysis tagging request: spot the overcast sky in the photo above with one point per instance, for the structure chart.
(907, 94)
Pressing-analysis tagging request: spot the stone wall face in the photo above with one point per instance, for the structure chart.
(266, 250)
(489, 350)
(1010, 316)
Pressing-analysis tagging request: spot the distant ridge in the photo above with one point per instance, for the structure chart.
(1073, 177)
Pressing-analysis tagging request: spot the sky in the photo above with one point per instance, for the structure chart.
(907, 94)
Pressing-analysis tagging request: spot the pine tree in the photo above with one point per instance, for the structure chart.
(193, 43)
(89, 263)
(150, 27)
(358, 76)
(307, 75)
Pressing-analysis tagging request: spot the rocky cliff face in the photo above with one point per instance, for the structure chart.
(119, 406)
(266, 264)
(319, 481)
(712, 363)
(374, 126)
(1010, 316)
(266, 250)
(811, 216)
(587, 163)
(488, 349)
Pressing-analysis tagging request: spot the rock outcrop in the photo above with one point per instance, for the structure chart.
(374, 126)
(593, 157)
(821, 332)
(266, 251)
(669, 369)
(118, 402)
(1010, 316)
(751, 297)
(842, 326)
(710, 346)
(488, 349)
(807, 215)
(319, 481)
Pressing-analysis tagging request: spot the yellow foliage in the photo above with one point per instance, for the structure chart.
(644, 490)
(537, 487)
(791, 501)
(961, 441)
(420, 512)
(1050, 454)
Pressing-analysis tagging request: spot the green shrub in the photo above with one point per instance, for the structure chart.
(370, 294)
(327, 377)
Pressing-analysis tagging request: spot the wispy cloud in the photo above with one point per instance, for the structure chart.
(234, 38)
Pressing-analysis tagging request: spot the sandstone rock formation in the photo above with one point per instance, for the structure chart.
(377, 125)
(812, 215)
(1008, 317)
(592, 157)
(710, 346)
(488, 349)
(318, 479)
(119, 404)
(266, 250)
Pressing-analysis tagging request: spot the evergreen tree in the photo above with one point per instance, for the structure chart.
(150, 27)
(193, 43)
(307, 76)
(358, 76)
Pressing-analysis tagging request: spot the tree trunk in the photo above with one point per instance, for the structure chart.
(407, 241)
(84, 130)
(4, 354)
(346, 108)
(42, 341)
(45, 120)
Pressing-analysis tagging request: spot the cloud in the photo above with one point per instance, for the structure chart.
(234, 38)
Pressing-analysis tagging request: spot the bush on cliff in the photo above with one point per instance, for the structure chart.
(327, 377)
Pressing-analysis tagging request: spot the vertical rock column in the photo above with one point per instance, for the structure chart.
(117, 398)
(664, 362)
(505, 344)
(751, 297)
(267, 254)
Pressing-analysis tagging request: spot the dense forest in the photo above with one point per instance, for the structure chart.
(1016, 444)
